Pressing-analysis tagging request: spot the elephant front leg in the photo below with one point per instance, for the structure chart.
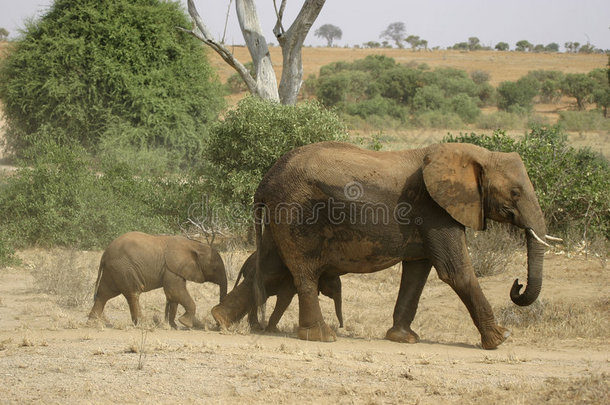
(311, 322)
(450, 257)
(413, 279)
(171, 307)
(235, 305)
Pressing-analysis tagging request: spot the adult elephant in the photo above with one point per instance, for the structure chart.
(335, 208)
(137, 262)
(282, 286)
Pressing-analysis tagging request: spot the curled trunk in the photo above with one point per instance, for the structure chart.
(535, 260)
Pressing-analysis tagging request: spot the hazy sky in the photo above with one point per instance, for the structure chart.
(440, 22)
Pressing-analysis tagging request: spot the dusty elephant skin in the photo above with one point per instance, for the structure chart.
(335, 208)
(283, 287)
(136, 262)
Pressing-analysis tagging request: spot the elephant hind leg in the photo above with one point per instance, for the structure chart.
(102, 296)
(284, 298)
(413, 279)
(311, 321)
(175, 291)
(134, 307)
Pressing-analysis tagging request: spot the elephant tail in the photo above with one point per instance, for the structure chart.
(99, 278)
(258, 285)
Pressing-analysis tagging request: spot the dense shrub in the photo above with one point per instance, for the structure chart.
(580, 86)
(253, 136)
(377, 86)
(59, 199)
(571, 184)
(113, 69)
(518, 96)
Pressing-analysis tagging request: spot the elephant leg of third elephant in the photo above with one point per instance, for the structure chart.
(413, 279)
(311, 322)
(284, 298)
(134, 307)
(171, 307)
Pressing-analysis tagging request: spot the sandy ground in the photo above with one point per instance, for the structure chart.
(49, 355)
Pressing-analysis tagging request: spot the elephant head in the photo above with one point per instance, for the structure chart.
(196, 262)
(472, 184)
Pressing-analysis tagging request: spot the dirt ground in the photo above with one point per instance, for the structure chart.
(48, 354)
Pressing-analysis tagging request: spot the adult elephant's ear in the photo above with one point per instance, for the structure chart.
(452, 175)
(182, 258)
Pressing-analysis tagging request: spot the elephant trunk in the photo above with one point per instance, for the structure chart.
(535, 260)
(223, 288)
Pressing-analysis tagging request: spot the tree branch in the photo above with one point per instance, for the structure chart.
(201, 32)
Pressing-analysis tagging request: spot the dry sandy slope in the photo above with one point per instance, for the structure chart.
(48, 354)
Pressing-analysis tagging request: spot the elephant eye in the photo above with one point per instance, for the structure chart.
(515, 193)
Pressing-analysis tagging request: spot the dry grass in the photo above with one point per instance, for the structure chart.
(492, 250)
(558, 319)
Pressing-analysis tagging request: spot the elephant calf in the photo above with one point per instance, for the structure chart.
(283, 287)
(136, 262)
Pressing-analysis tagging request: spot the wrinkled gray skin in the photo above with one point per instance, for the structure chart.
(136, 262)
(283, 287)
(318, 203)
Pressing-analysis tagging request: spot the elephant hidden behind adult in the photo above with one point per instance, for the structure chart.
(335, 208)
(136, 262)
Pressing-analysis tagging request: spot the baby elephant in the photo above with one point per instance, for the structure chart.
(137, 262)
(285, 290)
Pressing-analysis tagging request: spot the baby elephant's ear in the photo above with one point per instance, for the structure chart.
(452, 174)
(182, 258)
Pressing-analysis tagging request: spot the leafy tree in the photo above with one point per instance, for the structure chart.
(538, 48)
(414, 41)
(329, 32)
(552, 47)
(474, 44)
(3, 34)
(502, 46)
(587, 48)
(578, 85)
(371, 44)
(121, 71)
(517, 96)
(460, 46)
(601, 97)
(572, 46)
(396, 32)
(524, 46)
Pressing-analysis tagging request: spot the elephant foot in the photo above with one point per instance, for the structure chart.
(494, 338)
(320, 332)
(401, 335)
(222, 318)
(173, 325)
(273, 329)
(186, 321)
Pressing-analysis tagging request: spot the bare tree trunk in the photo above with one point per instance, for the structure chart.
(291, 42)
(264, 84)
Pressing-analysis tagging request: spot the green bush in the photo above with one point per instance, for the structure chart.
(253, 136)
(61, 199)
(571, 184)
(580, 86)
(108, 69)
(465, 107)
(518, 96)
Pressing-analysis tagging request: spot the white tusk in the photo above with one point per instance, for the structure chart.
(531, 231)
(554, 238)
